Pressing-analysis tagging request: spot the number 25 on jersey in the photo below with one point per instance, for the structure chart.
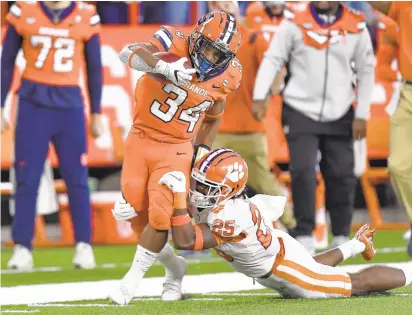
(61, 47)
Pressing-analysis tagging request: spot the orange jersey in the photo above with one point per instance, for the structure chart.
(388, 33)
(257, 17)
(53, 52)
(238, 110)
(171, 113)
(401, 13)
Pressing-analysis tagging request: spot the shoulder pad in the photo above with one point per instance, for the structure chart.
(86, 7)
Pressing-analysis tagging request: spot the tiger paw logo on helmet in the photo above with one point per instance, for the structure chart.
(235, 172)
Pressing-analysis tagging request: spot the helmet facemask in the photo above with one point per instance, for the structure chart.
(209, 57)
(206, 194)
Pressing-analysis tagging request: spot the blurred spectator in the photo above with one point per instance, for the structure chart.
(165, 12)
(113, 12)
(51, 109)
(239, 130)
(317, 107)
(387, 48)
(400, 154)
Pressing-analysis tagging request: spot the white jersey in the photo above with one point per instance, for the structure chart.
(245, 233)
(247, 239)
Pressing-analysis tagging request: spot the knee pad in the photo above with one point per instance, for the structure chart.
(160, 212)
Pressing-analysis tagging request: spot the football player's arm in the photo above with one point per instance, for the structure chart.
(275, 57)
(387, 52)
(185, 235)
(139, 56)
(92, 54)
(210, 125)
(11, 46)
(382, 6)
(188, 236)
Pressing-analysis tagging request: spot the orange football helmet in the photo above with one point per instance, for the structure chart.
(218, 176)
(213, 42)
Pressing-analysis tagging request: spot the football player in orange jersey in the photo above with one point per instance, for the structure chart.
(400, 155)
(267, 16)
(168, 117)
(239, 130)
(387, 48)
(56, 38)
(241, 231)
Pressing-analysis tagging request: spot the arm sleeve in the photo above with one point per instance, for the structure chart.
(365, 74)
(93, 59)
(11, 45)
(275, 57)
(94, 26)
(261, 46)
(163, 38)
(394, 11)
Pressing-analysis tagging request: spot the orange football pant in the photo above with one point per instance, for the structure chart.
(145, 162)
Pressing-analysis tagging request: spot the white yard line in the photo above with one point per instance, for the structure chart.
(150, 287)
(20, 311)
(191, 261)
(102, 266)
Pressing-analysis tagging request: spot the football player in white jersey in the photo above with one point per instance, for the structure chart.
(241, 230)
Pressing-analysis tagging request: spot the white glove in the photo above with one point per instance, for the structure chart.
(175, 181)
(123, 211)
(175, 71)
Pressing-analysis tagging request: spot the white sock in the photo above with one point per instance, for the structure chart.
(408, 275)
(351, 248)
(142, 261)
(167, 258)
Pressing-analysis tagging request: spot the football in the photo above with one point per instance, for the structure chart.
(168, 57)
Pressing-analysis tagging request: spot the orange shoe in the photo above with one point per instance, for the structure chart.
(365, 235)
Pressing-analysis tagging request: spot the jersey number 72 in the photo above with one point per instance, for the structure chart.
(63, 52)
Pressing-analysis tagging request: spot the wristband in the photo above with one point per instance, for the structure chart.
(180, 220)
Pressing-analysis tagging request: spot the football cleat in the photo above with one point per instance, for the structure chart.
(22, 258)
(365, 235)
(83, 256)
(122, 294)
(172, 287)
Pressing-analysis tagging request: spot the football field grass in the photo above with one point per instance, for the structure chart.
(53, 266)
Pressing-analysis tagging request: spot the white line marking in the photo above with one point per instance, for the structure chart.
(241, 294)
(191, 261)
(186, 299)
(391, 250)
(150, 287)
(103, 266)
(75, 305)
(20, 311)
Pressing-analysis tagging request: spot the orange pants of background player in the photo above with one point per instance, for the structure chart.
(145, 162)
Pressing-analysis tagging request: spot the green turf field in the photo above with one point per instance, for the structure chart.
(54, 266)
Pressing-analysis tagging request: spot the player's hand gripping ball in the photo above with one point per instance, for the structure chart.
(172, 69)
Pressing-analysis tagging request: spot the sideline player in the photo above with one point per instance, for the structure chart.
(241, 231)
(167, 118)
(56, 36)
